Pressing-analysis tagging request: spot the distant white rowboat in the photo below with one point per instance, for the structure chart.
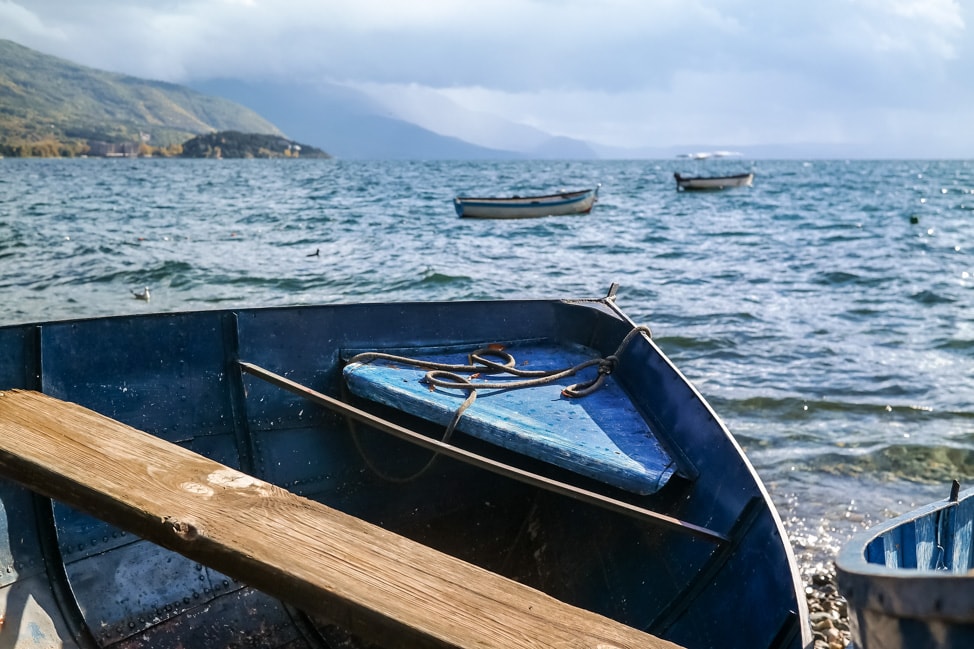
(713, 182)
(518, 207)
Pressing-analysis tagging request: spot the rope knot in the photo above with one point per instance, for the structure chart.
(608, 364)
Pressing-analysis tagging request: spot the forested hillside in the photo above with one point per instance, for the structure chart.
(51, 107)
(233, 144)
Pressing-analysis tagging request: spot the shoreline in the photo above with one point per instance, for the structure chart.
(828, 611)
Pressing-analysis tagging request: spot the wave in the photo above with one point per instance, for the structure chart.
(676, 344)
(913, 462)
(930, 298)
(786, 409)
(956, 344)
(843, 278)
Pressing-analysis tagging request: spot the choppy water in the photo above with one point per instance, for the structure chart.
(826, 313)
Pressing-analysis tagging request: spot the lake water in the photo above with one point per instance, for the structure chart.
(827, 313)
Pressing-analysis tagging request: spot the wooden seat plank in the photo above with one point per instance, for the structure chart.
(378, 585)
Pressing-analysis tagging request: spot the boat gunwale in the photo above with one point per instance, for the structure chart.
(681, 178)
(223, 310)
(852, 557)
(877, 587)
(565, 197)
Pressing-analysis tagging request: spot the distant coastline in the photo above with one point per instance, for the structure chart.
(223, 144)
(234, 144)
(53, 108)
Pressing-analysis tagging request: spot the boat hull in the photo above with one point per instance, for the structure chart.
(82, 582)
(908, 581)
(565, 203)
(714, 182)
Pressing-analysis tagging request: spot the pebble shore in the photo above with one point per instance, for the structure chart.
(827, 610)
(816, 544)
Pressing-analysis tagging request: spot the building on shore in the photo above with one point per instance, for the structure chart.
(113, 149)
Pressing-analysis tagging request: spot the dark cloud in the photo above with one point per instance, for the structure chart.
(838, 65)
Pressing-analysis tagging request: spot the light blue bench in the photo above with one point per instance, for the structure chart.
(601, 436)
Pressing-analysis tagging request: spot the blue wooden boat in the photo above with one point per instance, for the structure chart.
(524, 207)
(908, 581)
(548, 441)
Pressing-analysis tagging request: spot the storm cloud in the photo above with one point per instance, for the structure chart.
(885, 75)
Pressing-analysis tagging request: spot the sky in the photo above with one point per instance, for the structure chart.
(882, 77)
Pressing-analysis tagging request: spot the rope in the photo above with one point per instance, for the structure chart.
(370, 463)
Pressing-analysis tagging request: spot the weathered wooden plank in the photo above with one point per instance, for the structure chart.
(928, 550)
(963, 533)
(374, 583)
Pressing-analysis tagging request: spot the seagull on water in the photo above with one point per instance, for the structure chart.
(142, 295)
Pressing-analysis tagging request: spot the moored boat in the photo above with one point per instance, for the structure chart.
(522, 207)
(713, 182)
(908, 581)
(587, 467)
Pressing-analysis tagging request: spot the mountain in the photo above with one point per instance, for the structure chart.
(49, 106)
(433, 111)
(346, 123)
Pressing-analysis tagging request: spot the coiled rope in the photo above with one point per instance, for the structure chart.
(446, 375)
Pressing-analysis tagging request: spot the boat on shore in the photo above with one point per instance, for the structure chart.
(704, 183)
(549, 443)
(908, 581)
(524, 207)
